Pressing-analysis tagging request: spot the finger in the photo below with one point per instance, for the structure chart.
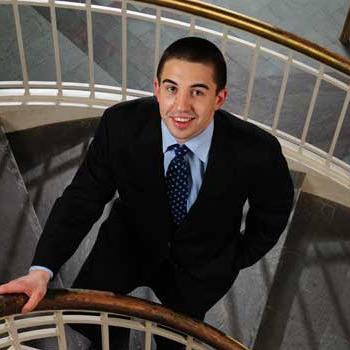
(12, 287)
(33, 301)
(3, 288)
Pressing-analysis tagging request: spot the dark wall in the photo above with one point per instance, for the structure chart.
(48, 157)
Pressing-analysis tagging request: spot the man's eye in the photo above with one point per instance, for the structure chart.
(197, 93)
(171, 89)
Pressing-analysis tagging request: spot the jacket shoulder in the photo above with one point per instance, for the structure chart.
(126, 120)
(134, 110)
(247, 133)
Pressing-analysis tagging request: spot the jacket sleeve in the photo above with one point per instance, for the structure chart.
(80, 205)
(270, 199)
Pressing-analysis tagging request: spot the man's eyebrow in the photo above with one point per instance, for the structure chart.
(204, 86)
(169, 81)
(199, 85)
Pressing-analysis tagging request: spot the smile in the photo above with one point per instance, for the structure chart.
(183, 122)
(183, 119)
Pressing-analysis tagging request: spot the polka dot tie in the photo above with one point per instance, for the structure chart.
(177, 181)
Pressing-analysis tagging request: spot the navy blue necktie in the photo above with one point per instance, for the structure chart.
(177, 181)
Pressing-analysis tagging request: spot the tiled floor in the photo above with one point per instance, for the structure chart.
(320, 21)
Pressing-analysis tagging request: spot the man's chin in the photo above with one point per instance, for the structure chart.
(181, 135)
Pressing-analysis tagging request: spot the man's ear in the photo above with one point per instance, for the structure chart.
(221, 97)
(156, 88)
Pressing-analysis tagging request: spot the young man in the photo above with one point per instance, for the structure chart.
(180, 238)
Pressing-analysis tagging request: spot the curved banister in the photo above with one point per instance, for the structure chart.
(64, 299)
(256, 27)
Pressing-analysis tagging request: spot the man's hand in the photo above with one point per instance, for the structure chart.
(34, 285)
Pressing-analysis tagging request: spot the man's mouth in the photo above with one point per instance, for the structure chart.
(182, 122)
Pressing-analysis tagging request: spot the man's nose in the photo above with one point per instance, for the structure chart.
(183, 101)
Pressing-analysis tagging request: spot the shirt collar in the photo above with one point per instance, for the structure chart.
(199, 144)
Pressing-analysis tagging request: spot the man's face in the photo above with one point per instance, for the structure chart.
(187, 97)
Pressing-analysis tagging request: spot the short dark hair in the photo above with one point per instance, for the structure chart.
(198, 50)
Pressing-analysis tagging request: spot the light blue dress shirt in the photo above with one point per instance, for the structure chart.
(197, 159)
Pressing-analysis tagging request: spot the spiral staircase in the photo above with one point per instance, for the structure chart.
(100, 53)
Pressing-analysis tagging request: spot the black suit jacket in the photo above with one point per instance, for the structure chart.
(126, 155)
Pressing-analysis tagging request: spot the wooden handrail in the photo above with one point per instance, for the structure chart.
(67, 299)
(254, 26)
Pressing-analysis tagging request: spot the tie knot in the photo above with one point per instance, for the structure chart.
(180, 150)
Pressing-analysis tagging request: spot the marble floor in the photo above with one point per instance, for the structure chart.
(320, 21)
(317, 20)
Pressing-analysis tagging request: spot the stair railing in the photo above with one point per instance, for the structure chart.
(64, 307)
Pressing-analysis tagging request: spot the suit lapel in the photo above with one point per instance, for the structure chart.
(147, 160)
(147, 155)
(221, 170)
